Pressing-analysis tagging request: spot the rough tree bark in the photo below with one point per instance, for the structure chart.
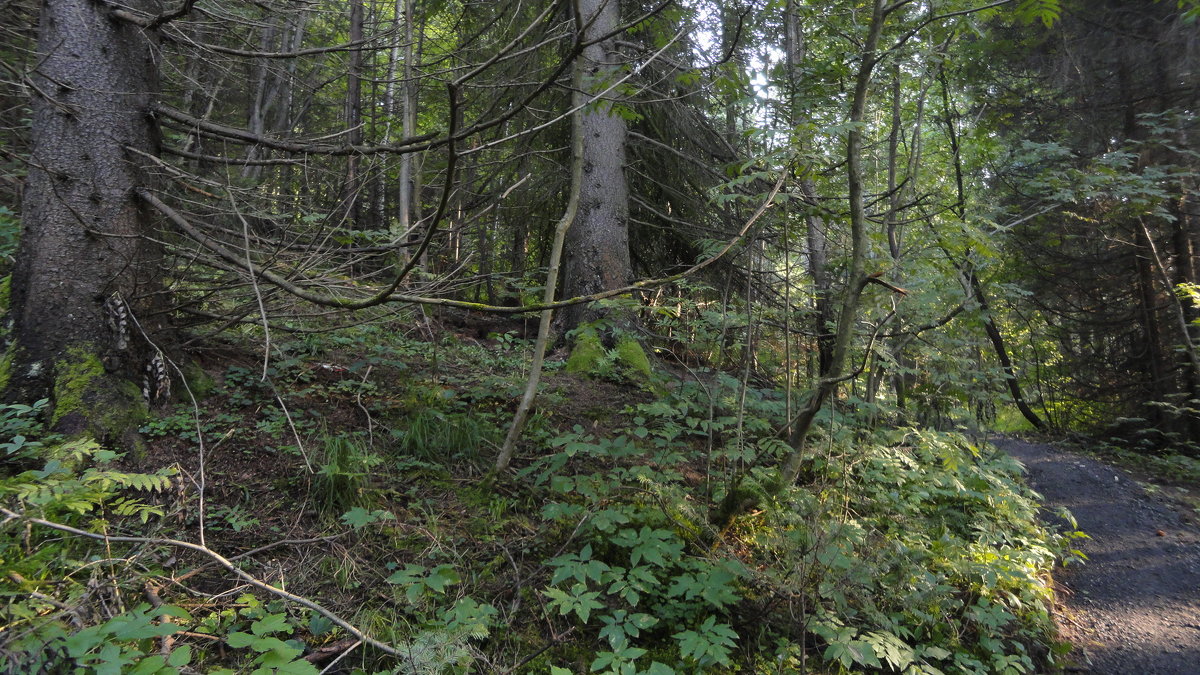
(596, 256)
(353, 115)
(83, 269)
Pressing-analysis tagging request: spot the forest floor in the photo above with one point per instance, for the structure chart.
(1134, 605)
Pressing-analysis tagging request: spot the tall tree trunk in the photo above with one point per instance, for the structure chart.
(816, 239)
(597, 246)
(1152, 359)
(256, 121)
(405, 202)
(856, 277)
(353, 115)
(83, 267)
(1185, 275)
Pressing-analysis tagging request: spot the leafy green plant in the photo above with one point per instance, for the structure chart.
(49, 631)
(181, 423)
(343, 480)
(235, 518)
(59, 487)
(122, 644)
(443, 644)
(10, 233)
(272, 653)
(19, 425)
(418, 580)
(436, 435)
(957, 522)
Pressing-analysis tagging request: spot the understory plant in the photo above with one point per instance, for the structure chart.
(903, 551)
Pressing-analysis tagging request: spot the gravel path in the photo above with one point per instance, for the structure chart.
(1134, 607)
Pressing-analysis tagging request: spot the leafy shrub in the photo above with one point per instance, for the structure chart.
(908, 551)
(51, 623)
(19, 425)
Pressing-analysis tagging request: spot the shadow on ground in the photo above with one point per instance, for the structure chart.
(1134, 607)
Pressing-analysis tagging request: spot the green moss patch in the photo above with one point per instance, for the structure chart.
(587, 354)
(199, 382)
(5, 292)
(625, 362)
(6, 363)
(88, 400)
(632, 357)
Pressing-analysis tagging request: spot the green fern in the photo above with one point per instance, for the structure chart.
(60, 487)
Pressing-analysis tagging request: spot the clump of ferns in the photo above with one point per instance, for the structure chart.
(343, 479)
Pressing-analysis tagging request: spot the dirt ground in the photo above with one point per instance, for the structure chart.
(1134, 607)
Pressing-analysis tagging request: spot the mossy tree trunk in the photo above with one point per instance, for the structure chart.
(84, 267)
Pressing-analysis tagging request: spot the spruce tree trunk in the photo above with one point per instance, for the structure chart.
(83, 266)
(596, 257)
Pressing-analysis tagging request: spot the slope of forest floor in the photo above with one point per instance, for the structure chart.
(1134, 605)
(356, 475)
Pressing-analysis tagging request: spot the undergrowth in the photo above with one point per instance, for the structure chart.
(356, 482)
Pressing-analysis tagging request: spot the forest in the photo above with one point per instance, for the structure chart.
(631, 337)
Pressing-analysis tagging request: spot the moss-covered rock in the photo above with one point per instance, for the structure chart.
(626, 361)
(632, 357)
(587, 354)
(199, 382)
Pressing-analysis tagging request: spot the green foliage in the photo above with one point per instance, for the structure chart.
(359, 517)
(944, 546)
(710, 644)
(124, 644)
(417, 580)
(587, 352)
(443, 642)
(58, 487)
(5, 293)
(19, 424)
(272, 653)
(343, 477)
(940, 567)
(10, 235)
(1046, 11)
(261, 636)
(180, 421)
(48, 632)
(436, 435)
